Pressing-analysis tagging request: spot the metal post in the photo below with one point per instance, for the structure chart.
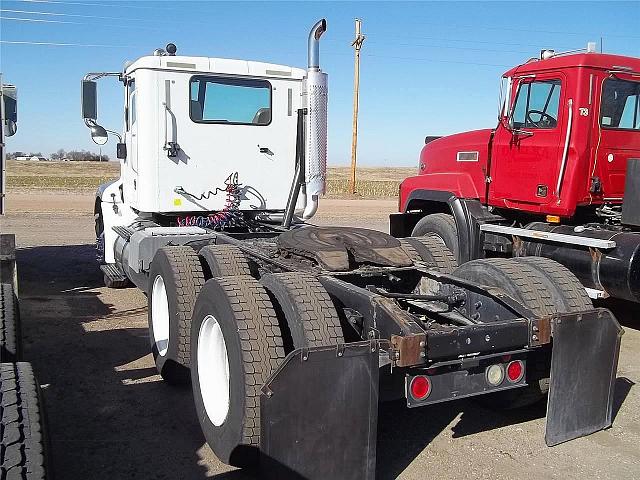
(357, 45)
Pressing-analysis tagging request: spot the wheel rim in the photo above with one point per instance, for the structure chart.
(160, 316)
(213, 370)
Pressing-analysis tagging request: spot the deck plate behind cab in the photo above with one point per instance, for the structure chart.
(339, 249)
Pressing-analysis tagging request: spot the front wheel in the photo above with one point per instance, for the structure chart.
(441, 224)
(235, 346)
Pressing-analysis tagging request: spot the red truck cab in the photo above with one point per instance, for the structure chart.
(568, 126)
(559, 176)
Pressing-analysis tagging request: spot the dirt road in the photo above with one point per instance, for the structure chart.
(111, 417)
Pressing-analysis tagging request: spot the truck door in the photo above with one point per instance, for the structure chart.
(527, 153)
(619, 133)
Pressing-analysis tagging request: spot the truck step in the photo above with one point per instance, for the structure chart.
(113, 273)
(123, 232)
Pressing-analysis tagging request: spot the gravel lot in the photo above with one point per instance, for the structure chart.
(111, 417)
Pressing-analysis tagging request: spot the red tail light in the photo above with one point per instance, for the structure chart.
(515, 371)
(420, 387)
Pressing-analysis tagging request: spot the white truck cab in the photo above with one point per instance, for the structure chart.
(197, 129)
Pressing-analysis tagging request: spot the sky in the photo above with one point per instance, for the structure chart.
(427, 68)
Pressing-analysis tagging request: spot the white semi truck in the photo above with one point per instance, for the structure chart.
(290, 333)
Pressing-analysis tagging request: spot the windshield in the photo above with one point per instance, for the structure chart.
(620, 107)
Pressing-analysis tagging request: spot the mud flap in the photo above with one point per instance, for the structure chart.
(584, 362)
(319, 414)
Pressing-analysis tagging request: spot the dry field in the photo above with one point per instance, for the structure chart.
(371, 182)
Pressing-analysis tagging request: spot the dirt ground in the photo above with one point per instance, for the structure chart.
(111, 417)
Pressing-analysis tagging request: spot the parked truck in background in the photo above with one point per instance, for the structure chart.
(287, 331)
(24, 443)
(558, 177)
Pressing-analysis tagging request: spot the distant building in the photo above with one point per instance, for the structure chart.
(32, 158)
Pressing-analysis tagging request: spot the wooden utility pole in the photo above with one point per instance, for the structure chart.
(357, 45)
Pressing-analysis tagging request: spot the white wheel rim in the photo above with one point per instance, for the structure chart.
(213, 370)
(160, 316)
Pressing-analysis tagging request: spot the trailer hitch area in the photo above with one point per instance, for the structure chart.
(584, 363)
(319, 414)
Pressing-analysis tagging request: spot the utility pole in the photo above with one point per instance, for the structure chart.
(357, 45)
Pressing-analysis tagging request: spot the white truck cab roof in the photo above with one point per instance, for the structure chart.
(224, 66)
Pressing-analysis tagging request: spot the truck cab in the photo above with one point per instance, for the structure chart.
(568, 131)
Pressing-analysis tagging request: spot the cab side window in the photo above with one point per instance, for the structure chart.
(537, 104)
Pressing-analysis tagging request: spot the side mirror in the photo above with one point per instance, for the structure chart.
(10, 99)
(121, 151)
(99, 135)
(10, 128)
(89, 100)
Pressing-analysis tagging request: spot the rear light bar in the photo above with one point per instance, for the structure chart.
(443, 384)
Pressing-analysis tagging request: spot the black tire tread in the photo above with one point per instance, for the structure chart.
(432, 250)
(313, 308)
(10, 337)
(24, 443)
(224, 261)
(569, 290)
(442, 225)
(261, 343)
(189, 279)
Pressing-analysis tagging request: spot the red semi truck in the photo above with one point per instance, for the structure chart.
(558, 177)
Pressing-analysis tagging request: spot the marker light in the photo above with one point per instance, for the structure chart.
(495, 375)
(420, 387)
(515, 371)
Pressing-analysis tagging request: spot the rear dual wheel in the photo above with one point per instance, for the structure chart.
(237, 343)
(543, 286)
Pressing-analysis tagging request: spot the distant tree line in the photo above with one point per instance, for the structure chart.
(71, 155)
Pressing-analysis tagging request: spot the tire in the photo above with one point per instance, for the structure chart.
(441, 224)
(223, 261)
(235, 346)
(568, 293)
(528, 286)
(175, 279)
(432, 250)
(24, 439)
(304, 309)
(10, 331)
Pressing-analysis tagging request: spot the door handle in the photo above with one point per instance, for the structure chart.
(265, 150)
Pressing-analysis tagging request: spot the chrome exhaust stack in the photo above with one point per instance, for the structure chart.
(316, 125)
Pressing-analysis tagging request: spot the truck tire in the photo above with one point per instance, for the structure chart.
(432, 250)
(304, 309)
(10, 332)
(223, 261)
(568, 293)
(175, 279)
(441, 224)
(528, 286)
(24, 439)
(235, 346)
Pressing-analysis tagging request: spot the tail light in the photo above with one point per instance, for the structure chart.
(515, 371)
(494, 374)
(420, 387)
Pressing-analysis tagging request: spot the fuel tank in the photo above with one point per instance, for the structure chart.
(615, 271)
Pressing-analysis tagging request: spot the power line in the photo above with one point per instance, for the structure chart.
(66, 22)
(106, 5)
(75, 15)
(56, 44)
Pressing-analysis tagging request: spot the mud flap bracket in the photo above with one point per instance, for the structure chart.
(319, 414)
(584, 362)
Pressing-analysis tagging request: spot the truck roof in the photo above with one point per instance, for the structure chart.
(603, 61)
(225, 66)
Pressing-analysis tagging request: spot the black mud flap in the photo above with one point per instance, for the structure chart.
(319, 414)
(583, 371)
